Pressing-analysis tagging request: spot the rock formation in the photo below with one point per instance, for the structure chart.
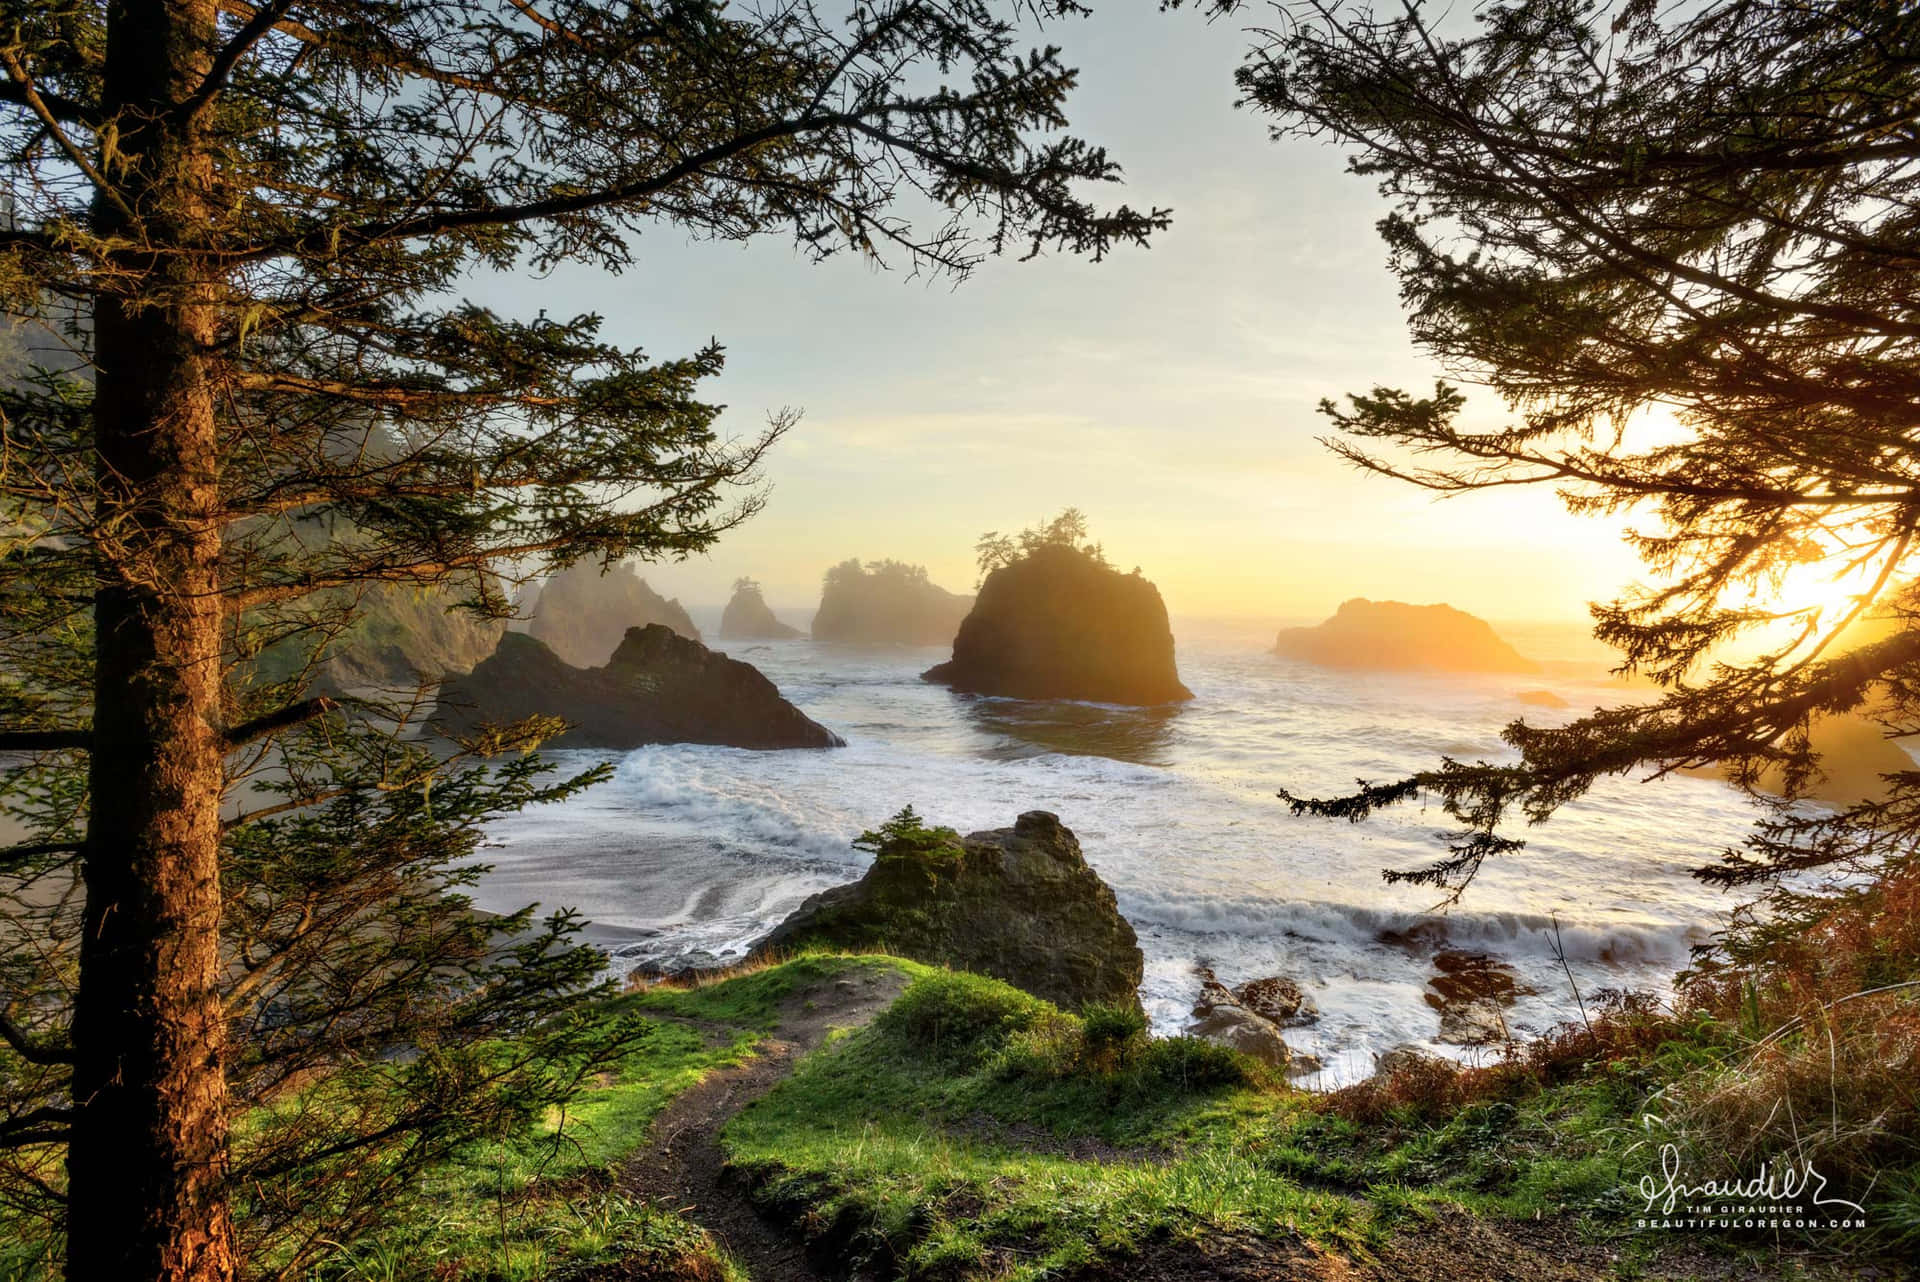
(400, 637)
(886, 603)
(1060, 623)
(1393, 636)
(748, 617)
(1016, 903)
(658, 687)
(1473, 992)
(1541, 699)
(582, 614)
(1249, 1018)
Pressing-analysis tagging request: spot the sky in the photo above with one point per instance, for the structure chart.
(1169, 392)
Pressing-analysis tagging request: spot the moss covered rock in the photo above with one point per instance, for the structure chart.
(1019, 904)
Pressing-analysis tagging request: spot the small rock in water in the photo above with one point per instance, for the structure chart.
(1406, 1056)
(1472, 993)
(1280, 1000)
(1244, 1031)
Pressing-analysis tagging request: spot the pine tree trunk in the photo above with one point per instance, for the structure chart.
(147, 1162)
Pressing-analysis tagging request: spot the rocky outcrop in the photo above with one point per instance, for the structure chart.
(1473, 992)
(1541, 699)
(658, 687)
(886, 603)
(1020, 904)
(1249, 1018)
(748, 617)
(582, 614)
(1279, 1000)
(1393, 636)
(1060, 623)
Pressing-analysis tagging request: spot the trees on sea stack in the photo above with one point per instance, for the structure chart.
(247, 222)
(1681, 246)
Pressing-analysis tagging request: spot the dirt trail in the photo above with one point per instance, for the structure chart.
(682, 1162)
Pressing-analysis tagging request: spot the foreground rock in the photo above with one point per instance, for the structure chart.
(1392, 636)
(1016, 903)
(1473, 992)
(1060, 623)
(582, 614)
(1249, 1018)
(657, 688)
(886, 603)
(748, 617)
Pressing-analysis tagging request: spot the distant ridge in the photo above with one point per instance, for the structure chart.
(1392, 636)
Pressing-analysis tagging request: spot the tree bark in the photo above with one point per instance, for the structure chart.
(147, 1163)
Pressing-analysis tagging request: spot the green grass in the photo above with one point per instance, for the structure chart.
(544, 1206)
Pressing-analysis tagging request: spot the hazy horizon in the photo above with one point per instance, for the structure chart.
(1168, 393)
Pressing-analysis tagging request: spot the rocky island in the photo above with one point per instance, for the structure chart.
(1054, 620)
(1392, 636)
(748, 617)
(886, 603)
(1016, 903)
(582, 614)
(659, 687)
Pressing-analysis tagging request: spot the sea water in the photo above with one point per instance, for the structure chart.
(692, 848)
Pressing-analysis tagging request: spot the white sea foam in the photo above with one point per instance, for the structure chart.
(705, 848)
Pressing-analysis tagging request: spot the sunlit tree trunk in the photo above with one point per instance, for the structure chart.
(147, 1163)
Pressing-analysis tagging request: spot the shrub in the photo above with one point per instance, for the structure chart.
(962, 1018)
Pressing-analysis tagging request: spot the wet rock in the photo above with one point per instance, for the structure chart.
(1406, 1057)
(1472, 992)
(1277, 999)
(1239, 1028)
(1020, 904)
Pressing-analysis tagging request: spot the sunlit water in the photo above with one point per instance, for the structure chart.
(707, 848)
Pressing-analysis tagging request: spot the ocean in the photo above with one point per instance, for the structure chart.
(704, 849)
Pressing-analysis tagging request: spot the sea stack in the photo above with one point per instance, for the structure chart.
(1392, 636)
(658, 687)
(583, 614)
(748, 617)
(1020, 904)
(1060, 623)
(886, 603)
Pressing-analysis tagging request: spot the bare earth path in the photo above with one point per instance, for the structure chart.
(682, 1162)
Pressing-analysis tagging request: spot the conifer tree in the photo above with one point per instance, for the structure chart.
(248, 225)
(1682, 246)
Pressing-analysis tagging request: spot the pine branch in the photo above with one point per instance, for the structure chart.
(286, 718)
(27, 1048)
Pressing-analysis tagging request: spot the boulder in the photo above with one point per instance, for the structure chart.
(1227, 1017)
(1020, 904)
(1279, 1000)
(1060, 623)
(582, 614)
(1407, 1057)
(748, 617)
(658, 687)
(1394, 636)
(886, 603)
(1242, 1030)
(1472, 992)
